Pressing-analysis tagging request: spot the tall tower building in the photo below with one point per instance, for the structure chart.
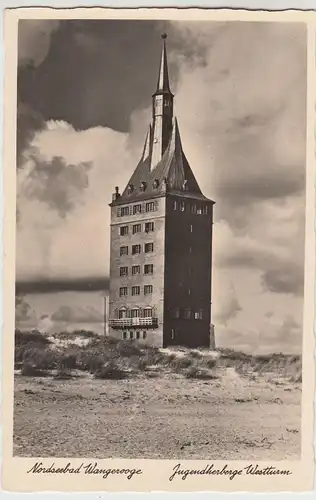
(161, 240)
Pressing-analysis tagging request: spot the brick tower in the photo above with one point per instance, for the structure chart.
(161, 240)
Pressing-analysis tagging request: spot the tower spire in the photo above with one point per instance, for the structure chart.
(162, 109)
(163, 78)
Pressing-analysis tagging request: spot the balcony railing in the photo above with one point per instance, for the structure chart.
(134, 323)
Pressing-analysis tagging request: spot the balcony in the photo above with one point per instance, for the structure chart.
(133, 323)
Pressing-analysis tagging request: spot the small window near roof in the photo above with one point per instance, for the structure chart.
(156, 184)
(142, 186)
(130, 189)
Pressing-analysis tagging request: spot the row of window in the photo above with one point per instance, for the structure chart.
(149, 227)
(147, 312)
(139, 208)
(136, 312)
(148, 269)
(178, 313)
(148, 290)
(194, 208)
(136, 249)
(131, 335)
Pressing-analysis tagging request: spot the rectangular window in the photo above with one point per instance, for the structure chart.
(199, 210)
(118, 212)
(137, 209)
(191, 228)
(124, 335)
(123, 291)
(137, 335)
(173, 334)
(182, 206)
(124, 251)
(189, 291)
(198, 314)
(137, 228)
(187, 314)
(148, 312)
(131, 335)
(122, 314)
(123, 271)
(124, 211)
(135, 313)
(144, 335)
(148, 289)
(136, 249)
(205, 209)
(149, 247)
(149, 227)
(123, 230)
(148, 269)
(150, 206)
(175, 205)
(135, 270)
(135, 290)
(193, 208)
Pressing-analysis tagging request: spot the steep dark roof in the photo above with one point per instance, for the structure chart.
(172, 174)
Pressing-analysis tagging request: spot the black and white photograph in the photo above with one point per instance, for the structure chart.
(160, 239)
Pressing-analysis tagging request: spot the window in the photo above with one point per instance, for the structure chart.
(182, 206)
(199, 210)
(173, 334)
(135, 290)
(148, 312)
(131, 335)
(144, 335)
(123, 271)
(176, 313)
(124, 335)
(148, 269)
(122, 314)
(205, 209)
(189, 291)
(123, 230)
(137, 335)
(124, 211)
(124, 251)
(118, 212)
(149, 247)
(148, 289)
(136, 249)
(137, 228)
(123, 291)
(187, 314)
(142, 186)
(155, 183)
(150, 206)
(135, 313)
(193, 209)
(137, 209)
(191, 228)
(198, 314)
(135, 270)
(175, 205)
(130, 189)
(149, 227)
(190, 249)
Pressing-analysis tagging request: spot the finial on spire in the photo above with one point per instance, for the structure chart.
(164, 36)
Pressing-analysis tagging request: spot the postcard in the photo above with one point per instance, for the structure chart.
(159, 250)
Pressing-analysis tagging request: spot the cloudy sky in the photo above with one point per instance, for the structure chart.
(84, 92)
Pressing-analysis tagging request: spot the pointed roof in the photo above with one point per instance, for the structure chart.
(163, 77)
(172, 174)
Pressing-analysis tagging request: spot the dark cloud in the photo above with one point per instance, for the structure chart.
(284, 278)
(34, 38)
(47, 286)
(95, 73)
(55, 183)
(69, 314)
